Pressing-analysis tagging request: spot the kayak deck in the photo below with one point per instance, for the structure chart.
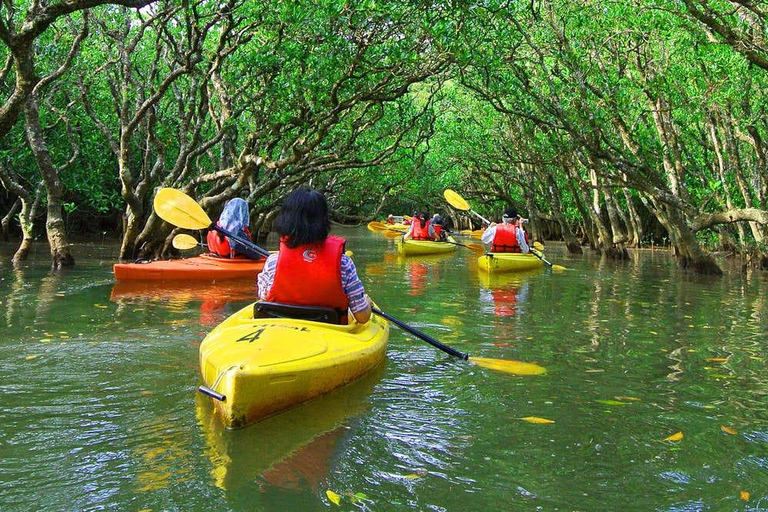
(198, 268)
(425, 247)
(508, 262)
(263, 366)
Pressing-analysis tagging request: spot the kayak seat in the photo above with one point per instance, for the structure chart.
(278, 310)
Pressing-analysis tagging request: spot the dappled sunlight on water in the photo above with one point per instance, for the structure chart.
(100, 411)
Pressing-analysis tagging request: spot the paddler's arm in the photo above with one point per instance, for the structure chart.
(359, 304)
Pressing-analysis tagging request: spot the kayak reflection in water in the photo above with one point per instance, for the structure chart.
(311, 268)
(234, 218)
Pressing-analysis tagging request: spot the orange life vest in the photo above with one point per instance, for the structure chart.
(310, 275)
(438, 229)
(218, 244)
(505, 239)
(418, 232)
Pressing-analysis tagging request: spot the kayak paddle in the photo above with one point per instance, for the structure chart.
(380, 226)
(184, 242)
(502, 365)
(177, 208)
(458, 202)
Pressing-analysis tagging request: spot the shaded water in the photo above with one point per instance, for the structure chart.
(99, 409)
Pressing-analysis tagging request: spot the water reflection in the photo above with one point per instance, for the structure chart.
(290, 451)
(176, 296)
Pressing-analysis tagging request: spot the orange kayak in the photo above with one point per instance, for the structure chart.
(199, 268)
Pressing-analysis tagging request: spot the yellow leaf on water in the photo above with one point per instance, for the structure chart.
(102, 306)
(537, 420)
(653, 332)
(744, 495)
(46, 340)
(412, 476)
(675, 437)
(628, 398)
(32, 356)
(728, 430)
(717, 359)
(335, 498)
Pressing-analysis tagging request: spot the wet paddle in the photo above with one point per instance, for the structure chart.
(502, 365)
(380, 226)
(458, 202)
(183, 242)
(177, 208)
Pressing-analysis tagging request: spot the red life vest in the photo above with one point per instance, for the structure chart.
(418, 232)
(505, 239)
(218, 244)
(310, 275)
(438, 229)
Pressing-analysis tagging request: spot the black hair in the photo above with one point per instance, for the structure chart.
(303, 218)
(423, 218)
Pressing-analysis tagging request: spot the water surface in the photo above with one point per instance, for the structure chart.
(99, 408)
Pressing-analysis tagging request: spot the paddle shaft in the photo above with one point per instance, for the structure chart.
(421, 335)
(250, 245)
(542, 258)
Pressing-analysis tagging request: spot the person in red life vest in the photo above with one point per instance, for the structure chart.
(508, 236)
(234, 218)
(311, 268)
(438, 224)
(421, 228)
(390, 219)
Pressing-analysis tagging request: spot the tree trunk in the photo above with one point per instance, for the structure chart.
(27, 216)
(6, 222)
(54, 224)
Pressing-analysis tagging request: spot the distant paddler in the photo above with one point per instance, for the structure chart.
(509, 236)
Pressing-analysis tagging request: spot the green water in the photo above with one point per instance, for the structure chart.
(99, 408)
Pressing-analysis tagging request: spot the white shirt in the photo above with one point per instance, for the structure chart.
(490, 233)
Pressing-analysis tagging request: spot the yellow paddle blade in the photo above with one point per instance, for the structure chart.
(407, 217)
(538, 246)
(393, 234)
(558, 267)
(503, 365)
(476, 248)
(456, 200)
(177, 208)
(349, 253)
(183, 242)
(377, 226)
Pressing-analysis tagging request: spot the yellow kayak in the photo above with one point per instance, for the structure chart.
(254, 368)
(508, 262)
(424, 247)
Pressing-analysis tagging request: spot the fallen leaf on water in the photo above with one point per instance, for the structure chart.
(335, 498)
(744, 495)
(675, 437)
(653, 332)
(728, 430)
(610, 402)
(32, 356)
(717, 359)
(46, 340)
(720, 376)
(412, 476)
(628, 398)
(594, 371)
(537, 420)
(102, 306)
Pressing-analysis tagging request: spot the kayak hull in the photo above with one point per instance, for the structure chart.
(424, 247)
(198, 268)
(263, 366)
(508, 262)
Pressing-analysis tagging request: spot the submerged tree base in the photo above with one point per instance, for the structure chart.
(574, 248)
(62, 260)
(617, 254)
(705, 265)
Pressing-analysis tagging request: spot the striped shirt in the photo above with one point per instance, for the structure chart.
(350, 283)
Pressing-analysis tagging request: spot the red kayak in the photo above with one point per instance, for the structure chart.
(199, 268)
